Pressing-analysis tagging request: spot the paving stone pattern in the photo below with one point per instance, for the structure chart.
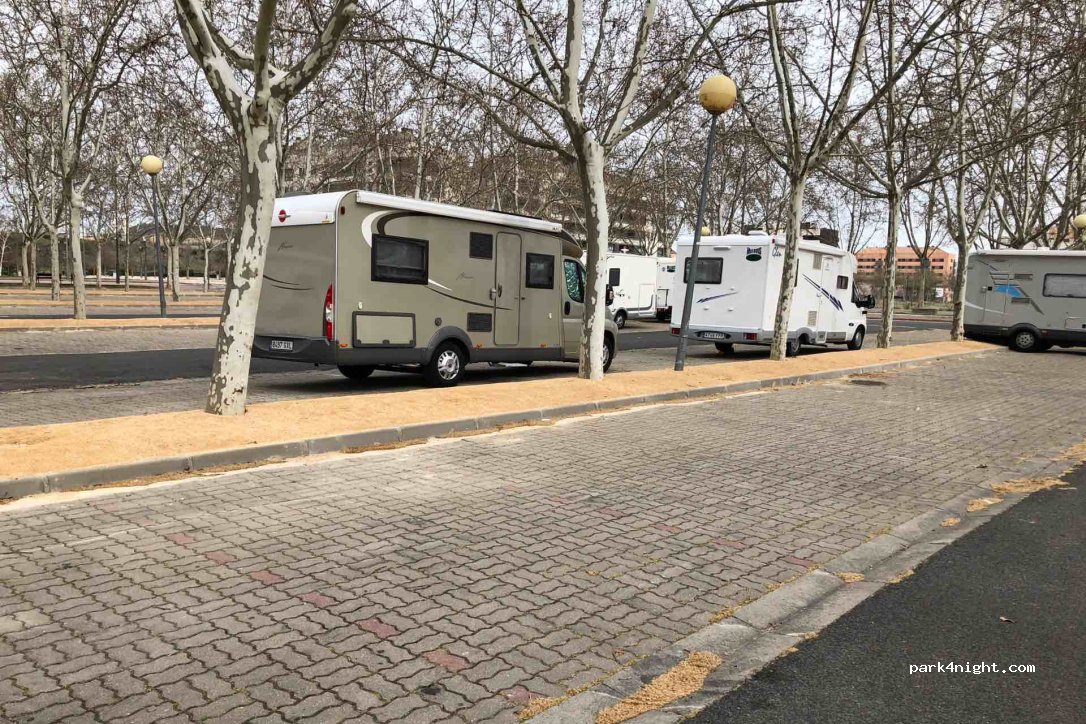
(453, 581)
(81, 341)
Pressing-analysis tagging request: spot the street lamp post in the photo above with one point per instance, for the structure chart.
(152, 166)
(1079, 223)
(717, 94)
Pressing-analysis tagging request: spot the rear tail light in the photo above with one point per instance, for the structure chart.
(676, 330)
(329, 314)
(750, 335)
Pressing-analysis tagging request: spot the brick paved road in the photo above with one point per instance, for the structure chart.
(448, 582)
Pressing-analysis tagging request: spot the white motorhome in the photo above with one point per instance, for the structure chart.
(738, 282)
(1029, 299)
(363, 280)
(633, 278)
(665, 277)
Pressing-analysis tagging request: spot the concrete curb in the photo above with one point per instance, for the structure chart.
(765, 629)
(212, 322)
(103, 474)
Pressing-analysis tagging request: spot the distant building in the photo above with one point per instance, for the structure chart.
(941, 262)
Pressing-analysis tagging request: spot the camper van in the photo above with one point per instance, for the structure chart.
(665, 276)
(1029, 299)
(363, 280)
(633, 278)
(738, 282)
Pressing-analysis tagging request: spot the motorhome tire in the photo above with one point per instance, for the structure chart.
(791, 349)
(1025, 340)
(725, 348)
(356, 372)
(620, 320)
(857, 341)
(446, 366)
(608, 353)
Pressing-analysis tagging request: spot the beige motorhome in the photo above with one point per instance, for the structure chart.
(362, 280)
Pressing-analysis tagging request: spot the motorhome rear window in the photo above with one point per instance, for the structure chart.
(842, 282)
(1065, 285)
(400, 259)
(540, 271)
(614, 277)
(710, 270)
(481, 246)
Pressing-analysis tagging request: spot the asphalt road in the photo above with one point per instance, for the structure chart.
(60, 371)
(1027, 565)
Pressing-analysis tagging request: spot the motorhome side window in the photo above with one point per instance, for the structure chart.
(400, 259)
(540, 271)
(481, 246)
(614, 277)
(574, 280)
(710, 271)
(842, 282)
(1065, 285)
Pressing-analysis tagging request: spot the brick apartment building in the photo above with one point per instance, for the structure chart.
(942, 262)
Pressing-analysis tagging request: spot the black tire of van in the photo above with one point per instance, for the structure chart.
(1025, 340)
(446, 366)
(356, 372)
(620, 319)
(791, 348)
(857, 341)
(609, 351)
(725, 348)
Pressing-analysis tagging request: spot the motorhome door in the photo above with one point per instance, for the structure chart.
(827, 310)
(506, 290)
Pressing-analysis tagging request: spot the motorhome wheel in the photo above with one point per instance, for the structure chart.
(792, 348)
(1024, 341)
(446, 367)
(725, 348)
(857, 340)
(620, 319)
(608, 353)
(356, 372)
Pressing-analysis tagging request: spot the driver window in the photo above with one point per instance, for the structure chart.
(574, 280)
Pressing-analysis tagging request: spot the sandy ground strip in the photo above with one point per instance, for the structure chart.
(44, 324)
(51, 448)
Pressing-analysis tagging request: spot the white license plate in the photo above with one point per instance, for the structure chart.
(282, 345)
(713, 335)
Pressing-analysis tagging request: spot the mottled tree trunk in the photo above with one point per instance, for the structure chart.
(791, 266)
(75, 246)
(233, 348)
(957, 323)
(33, 266)
(54, 265)
(207, 253)
(175, 274)
(889, 270)
(24, 264)
(590, 165)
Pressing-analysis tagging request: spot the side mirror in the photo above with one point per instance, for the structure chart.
(610, 297)
(868, 302)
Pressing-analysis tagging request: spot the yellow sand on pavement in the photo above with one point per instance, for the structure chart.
(47, 324)
(51, 448)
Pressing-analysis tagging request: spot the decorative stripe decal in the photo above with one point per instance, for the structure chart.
(292, 286)
(468, 301)
(833, 300)
(718, 296)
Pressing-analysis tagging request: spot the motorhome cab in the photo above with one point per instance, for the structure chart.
(665, 276)
(362, 280)
(633, 279)
(1029, 299)
(738, 282)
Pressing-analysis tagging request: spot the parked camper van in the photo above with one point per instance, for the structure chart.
(362, 280)
(665, 277)
(1030, 299)
(738, 282)
(633, 278)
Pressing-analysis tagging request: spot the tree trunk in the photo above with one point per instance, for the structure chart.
(54, 266)
(889, 271)
(233, 348)
(207, 253)
(590, 166)
(24, 264)
(420, 159)
(33, 268)
(75, 245)
(174, 250)
(957, 323)
(791, 267)
(98, 265)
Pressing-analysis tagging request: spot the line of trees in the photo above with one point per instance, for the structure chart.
(956, 122)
